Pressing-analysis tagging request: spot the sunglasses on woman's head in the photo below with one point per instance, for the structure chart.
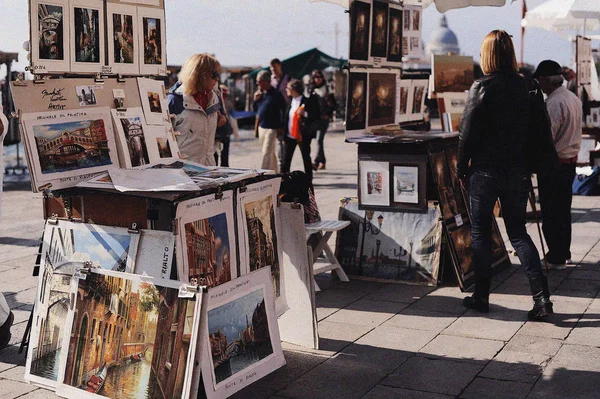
(214, 75)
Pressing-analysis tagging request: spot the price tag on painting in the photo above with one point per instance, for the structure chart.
(458, 219)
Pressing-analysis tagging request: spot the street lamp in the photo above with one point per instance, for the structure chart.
(368, 227)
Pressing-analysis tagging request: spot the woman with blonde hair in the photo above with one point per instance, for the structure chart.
(492, 163)
(196, 104)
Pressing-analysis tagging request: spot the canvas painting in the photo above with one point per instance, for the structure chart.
(132, 139)
(406, 187)
(452, 73)
(123, 45)
(66, 247)
(153, 53)
(160, 143)
(356, 116)
(70, 143)
(452, 202)
(461, 242)
(49, 34)
(374, 179)
(382, 98)
(241, 337)
(394, 53)
(154, 101)
(124, 333)
(259, 223)
(360, 23)
(206, 247)
(87, 38)
(379, 30)
(397, 246)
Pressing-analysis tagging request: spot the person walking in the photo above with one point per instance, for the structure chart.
(493, 136)
(196, 105)
(269, 105)
(279, 79)
(318, 87)
(306, 111)
(555, 186)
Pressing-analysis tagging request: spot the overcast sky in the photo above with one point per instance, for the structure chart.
(245, 32)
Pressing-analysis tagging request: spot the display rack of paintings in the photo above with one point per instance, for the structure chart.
(455, 214)
(390, 246)
(123, 39)
(207, 240)
(241, 337)
(124, 331)
(258, 236)
(49, 26)
(66, 147)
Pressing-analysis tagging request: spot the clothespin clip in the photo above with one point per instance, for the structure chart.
(243, 187)
(119, 104)
(46, 187)
(82, 272)
(98, 79)
(189, 290)
(53, 219)
(133, 229)
(38, 80)
(219, 193)
(121, 79)
(295, 204)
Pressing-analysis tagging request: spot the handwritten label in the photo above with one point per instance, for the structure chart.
(55, 97)
(106, 70)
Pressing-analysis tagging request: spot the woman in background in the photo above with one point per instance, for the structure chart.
(195, 104)
(318, 87)
(493, 134)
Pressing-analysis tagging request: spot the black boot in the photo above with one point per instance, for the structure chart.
(476, 303)
(542, 306)
(5, 331)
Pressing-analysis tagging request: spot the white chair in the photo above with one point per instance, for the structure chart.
(326, 228)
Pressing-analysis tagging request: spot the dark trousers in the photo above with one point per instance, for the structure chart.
(512, 188)
(288, 146)
(224, 154)
(556, 195)
(320, 158)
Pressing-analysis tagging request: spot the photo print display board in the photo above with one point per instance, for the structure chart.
(153, 60)
(154, 101)
(123, 39)
(241, 339)
(131, 136)
(374, 183)
(66, 247)
(49, 26)
(258, 226)
(87, 36)
(66, 146)
(206, 240)
(360, 30)
(411, 32)
(406, 246)
(125, 331)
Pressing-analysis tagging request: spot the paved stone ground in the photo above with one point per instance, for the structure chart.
(385, 340)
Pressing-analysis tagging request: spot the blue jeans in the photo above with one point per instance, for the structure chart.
(512, 188)
(320, 158)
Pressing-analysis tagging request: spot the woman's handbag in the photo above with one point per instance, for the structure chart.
(540, 153)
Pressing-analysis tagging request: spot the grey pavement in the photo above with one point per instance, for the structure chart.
(385, 340)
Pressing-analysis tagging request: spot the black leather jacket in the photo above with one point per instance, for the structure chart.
(494, 125)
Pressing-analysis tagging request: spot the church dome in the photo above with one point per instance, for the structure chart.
(442, 40)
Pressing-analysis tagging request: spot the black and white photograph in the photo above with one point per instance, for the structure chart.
(86, 95)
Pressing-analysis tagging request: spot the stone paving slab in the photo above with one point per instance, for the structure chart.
(384, 392)
(367, 313)
(516, 366)
(421, 320)
(336, 336)
(14, 389)
(474, 326)
(397, 338)
(382, 358)
(483, 388)
(406, 294)
(435, 375)
(462, 348)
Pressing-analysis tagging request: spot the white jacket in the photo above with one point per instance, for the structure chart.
(196, 128)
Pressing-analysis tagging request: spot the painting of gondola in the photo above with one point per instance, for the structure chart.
(125, 332)
(68, 246)
(360, 23)
(379, 34)
(241, 336)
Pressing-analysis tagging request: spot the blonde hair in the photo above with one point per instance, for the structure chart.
(498, 53)
(195, 69)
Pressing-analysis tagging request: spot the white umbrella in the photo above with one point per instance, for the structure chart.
(560, 15)
(441, 5)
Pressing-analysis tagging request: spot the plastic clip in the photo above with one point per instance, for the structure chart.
(133, 229)
(219, 193)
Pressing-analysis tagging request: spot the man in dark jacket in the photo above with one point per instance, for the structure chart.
(308, 110)
(270, 106)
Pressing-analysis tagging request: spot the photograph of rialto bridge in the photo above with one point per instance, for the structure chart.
(130, 339)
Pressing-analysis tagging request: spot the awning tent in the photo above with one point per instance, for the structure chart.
(304, 63)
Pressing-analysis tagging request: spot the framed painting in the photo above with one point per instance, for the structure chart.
(50, 24)
(374, 183)
(87, 36)
(360, 23)
(409, 183)
(379, 29)
(123, 42)
(153, 53)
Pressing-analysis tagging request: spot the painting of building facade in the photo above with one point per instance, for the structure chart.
(208, 250)
(262, 238)
(129, 338)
